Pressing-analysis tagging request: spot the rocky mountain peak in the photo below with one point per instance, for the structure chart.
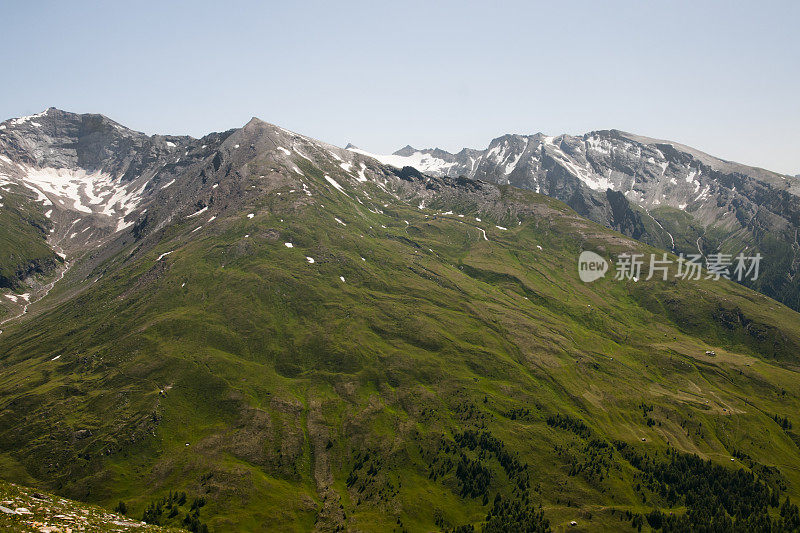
(406, 151)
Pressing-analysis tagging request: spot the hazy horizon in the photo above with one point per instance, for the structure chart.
(719, 77)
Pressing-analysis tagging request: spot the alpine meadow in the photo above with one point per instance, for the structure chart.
(257, 330)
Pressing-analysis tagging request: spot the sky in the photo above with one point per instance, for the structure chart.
(721, 76)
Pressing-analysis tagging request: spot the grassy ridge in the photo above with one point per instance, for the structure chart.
(398, 398)
(23, 240)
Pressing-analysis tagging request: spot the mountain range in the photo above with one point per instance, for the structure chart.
(259, 331)
(660, 192)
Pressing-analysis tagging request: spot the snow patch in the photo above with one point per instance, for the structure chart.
(121, 224)
(336, 185)
(602, 146)
(22, 120)
(513, 164)
(704, 194)
(419, 160)
(361, 175)
(82, 191)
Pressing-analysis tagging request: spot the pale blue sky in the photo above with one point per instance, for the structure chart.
(721, 76)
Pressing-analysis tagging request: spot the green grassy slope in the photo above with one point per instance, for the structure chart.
(775, 279)
(416, 376)
(23, 234)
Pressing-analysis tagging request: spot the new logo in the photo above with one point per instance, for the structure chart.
(591, 266)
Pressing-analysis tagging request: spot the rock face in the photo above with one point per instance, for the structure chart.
(90, 174)
(94, 143)
(661, 192)
(649, 172)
